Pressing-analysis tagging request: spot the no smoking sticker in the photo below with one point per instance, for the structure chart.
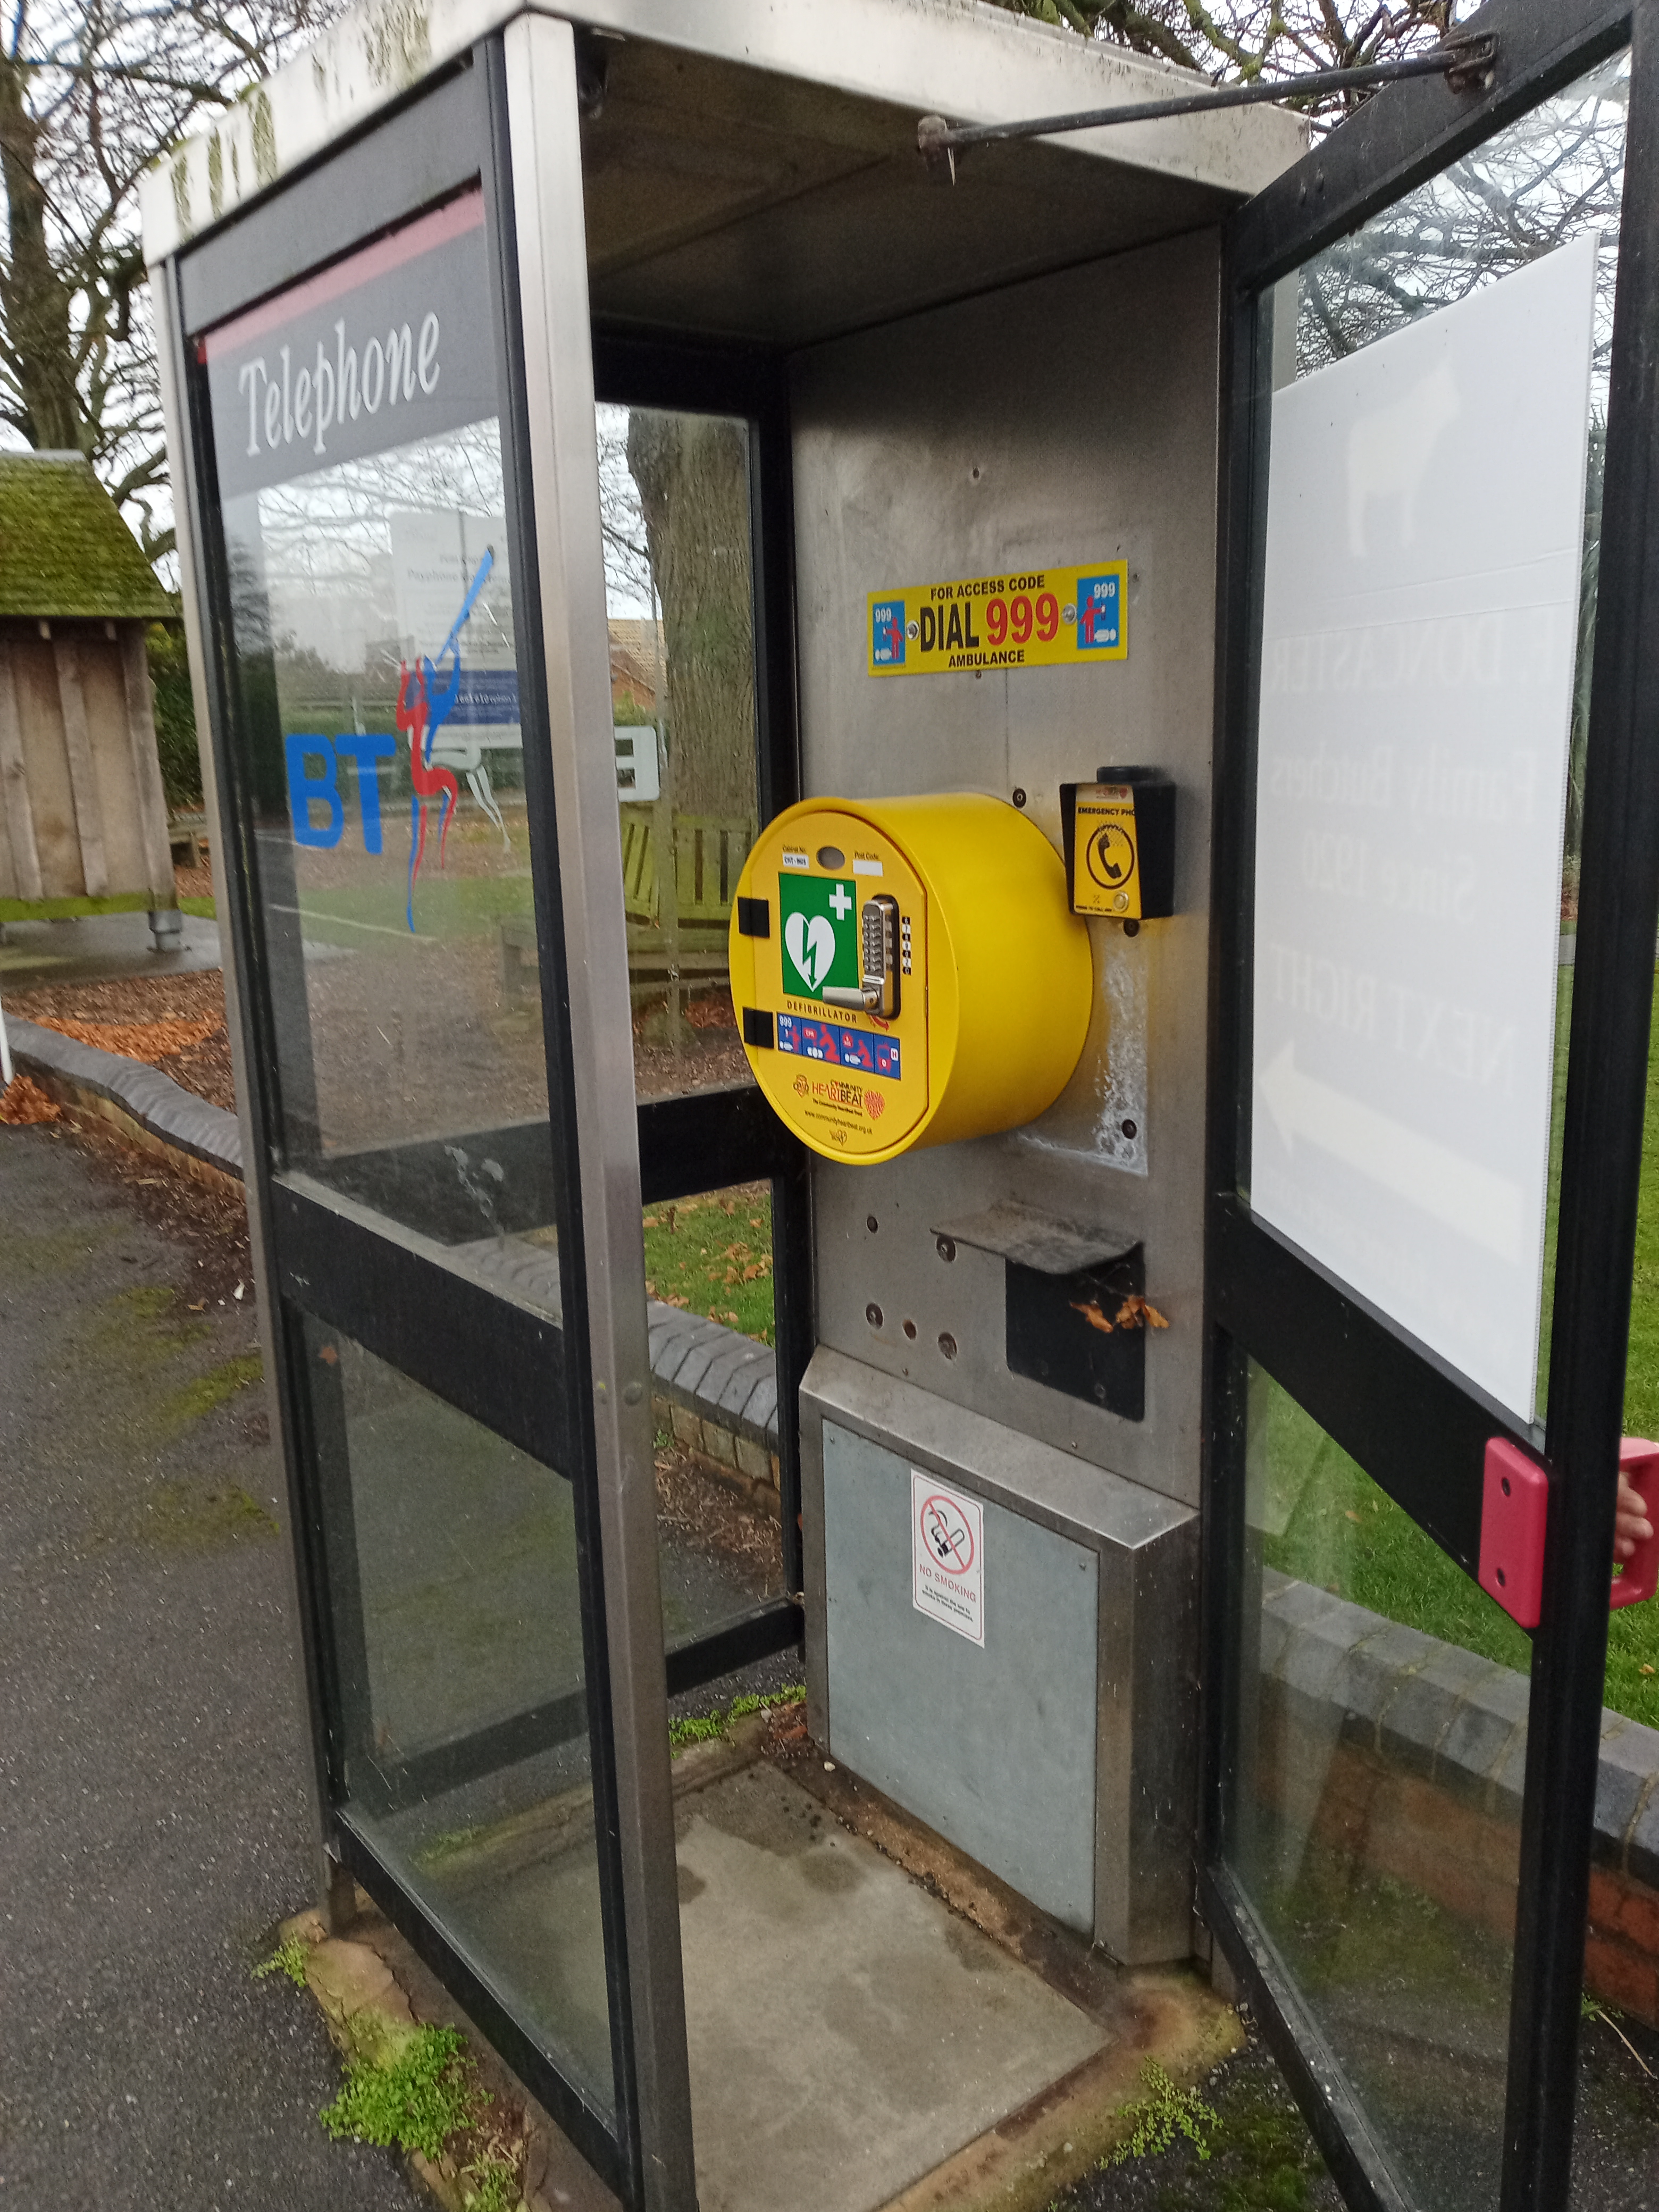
(947, 1556)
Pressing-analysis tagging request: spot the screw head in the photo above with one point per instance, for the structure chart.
(871, 1223)
(1019, 794)
(946, 1246)
(873, 1314)
(947, 1345)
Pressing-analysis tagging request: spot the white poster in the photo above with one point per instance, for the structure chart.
(454, 599)
(947, 1556)
(1424, 545)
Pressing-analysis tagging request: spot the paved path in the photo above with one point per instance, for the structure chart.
(153, 1822)
(95, 947)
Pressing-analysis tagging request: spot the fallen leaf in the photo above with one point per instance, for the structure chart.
(1352, 1516)
(1093, 1316)
(24, 1102)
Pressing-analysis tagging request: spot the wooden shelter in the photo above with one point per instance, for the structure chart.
(83, 818)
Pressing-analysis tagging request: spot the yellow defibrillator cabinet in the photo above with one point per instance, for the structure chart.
(907, 971)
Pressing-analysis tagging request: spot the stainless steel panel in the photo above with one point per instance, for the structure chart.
(1067, 419)
(565, 489)
(1143, 1701)
(994, 1747)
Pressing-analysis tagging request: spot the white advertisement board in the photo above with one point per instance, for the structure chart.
(1424, 547)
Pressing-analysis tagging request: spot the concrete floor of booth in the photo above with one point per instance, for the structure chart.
(873, 2020)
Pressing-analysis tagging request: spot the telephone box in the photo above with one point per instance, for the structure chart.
(941, 887)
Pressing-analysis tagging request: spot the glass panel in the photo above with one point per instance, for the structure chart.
(452, 1576)
(360, 470)
(718, 1521)
(1433, 522)
(679, 601)
(1376, 1822)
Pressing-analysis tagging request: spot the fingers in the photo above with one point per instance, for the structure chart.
(1631, 1524)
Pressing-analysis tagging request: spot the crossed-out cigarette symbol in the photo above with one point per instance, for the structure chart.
(947, 1535)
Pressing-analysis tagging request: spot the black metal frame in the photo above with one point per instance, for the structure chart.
(1418, 1428)
(324, 1258)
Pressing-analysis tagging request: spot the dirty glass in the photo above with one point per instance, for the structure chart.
(378, 736)
(452, 1580)
(1433, 530)
(719, 1526)
(1377, 1818)
(679, 607)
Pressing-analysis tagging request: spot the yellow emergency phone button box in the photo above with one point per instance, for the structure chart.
(1119, 844)
(907, 971)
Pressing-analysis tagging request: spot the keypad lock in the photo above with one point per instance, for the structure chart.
(878, 933)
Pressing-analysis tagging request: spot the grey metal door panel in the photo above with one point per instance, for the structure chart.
(993, 1746)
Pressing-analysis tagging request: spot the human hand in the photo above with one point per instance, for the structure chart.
(1632, 1526)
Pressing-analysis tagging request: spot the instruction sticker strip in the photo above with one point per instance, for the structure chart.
(1042, 618)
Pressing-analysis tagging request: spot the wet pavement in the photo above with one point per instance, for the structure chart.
(95, 947)
(154, 1822)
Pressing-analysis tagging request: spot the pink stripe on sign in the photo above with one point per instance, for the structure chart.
(410, 240)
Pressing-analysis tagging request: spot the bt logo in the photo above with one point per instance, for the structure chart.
(423, 708)
(308, 790)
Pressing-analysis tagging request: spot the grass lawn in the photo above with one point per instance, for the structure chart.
(446, 906)
(714, 1256)
(1327, 1522)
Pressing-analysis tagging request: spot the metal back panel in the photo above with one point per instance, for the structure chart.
(993, 1746)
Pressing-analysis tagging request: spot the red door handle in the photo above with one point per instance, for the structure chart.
(1638, 1461)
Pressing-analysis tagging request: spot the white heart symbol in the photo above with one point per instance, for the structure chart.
(811, 946)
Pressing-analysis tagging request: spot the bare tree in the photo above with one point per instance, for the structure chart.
(91, 91)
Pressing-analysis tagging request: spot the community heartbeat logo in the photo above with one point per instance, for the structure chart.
(421, 712)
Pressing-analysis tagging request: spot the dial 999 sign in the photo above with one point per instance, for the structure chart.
(1043, 618)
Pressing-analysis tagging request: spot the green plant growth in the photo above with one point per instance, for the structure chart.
(710, 1728)
(175, 716)
(1164, 2112)
(425, 2096)
(207, 1392)
(288, 1958)
(416, 2101)
(491, 2185)
(714, 1256)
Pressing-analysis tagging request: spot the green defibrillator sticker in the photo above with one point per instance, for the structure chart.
(820, 934)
